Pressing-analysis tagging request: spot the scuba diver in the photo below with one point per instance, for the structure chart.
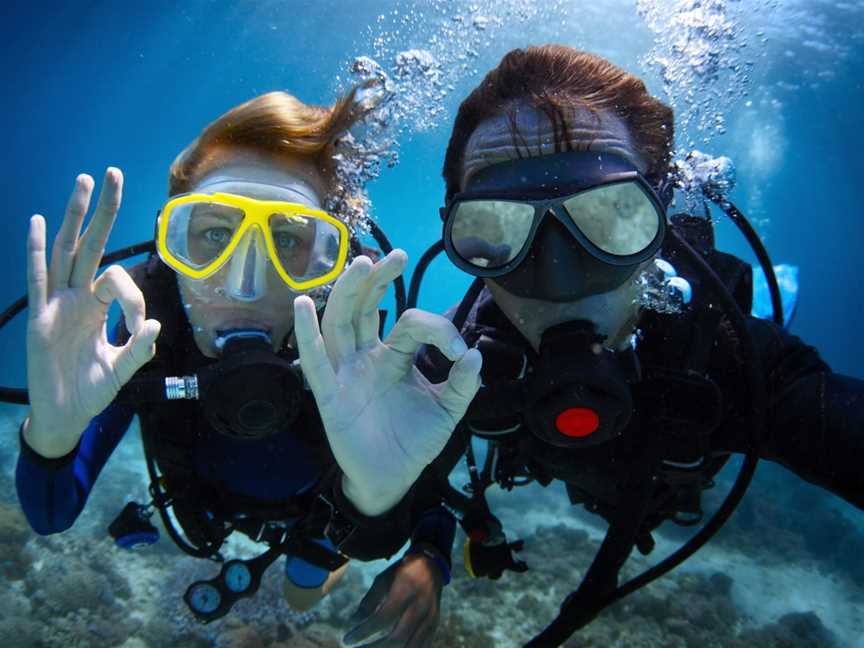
(254, 417)
(560, 202)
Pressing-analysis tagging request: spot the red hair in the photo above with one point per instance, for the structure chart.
(276, 124)
(552, 77)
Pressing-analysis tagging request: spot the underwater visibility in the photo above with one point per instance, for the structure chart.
(462, 324)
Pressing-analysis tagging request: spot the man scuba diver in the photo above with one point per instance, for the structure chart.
(558, 183)
(253, 418)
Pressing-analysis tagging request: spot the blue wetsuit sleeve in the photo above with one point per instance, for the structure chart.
(436, 527)
(52, 492)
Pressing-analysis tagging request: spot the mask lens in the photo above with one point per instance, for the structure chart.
(306, 247)
(490, 233)
(199, 232)
(619, 219)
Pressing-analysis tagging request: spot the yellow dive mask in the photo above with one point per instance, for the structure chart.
(198, 233)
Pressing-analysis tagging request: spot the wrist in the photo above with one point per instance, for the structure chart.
(367, 502)
(434, 556)
(33, 456)
(44, 440)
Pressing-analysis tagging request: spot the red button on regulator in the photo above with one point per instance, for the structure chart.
(577, 422)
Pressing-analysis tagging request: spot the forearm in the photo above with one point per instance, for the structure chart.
(43, 439)
(374, 537)
(49, 494)
(53, 491)
(814, 422)
(820, 435)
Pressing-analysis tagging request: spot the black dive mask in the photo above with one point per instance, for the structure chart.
(249, 393)
(557, 227)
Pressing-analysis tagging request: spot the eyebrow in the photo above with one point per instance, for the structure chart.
(215, 215)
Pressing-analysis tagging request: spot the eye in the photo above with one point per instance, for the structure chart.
(284, 240)
(219, 235)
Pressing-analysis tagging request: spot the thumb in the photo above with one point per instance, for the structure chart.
(137, 352)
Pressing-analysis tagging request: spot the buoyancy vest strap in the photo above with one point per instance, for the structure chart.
(163, 501)
(599, 584)
(467, 303)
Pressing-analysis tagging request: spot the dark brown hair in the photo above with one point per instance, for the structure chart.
(552, 77)
(275, 124)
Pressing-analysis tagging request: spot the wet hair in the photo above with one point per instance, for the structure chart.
(550, 78)
(277, 125)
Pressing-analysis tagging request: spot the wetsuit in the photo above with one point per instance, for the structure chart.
(814, 422)
(227, 475)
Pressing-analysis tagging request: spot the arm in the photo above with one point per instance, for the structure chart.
(815, 418)
(419, 516)
(367, 390)
(74, 372)
(405, 598)
(53, 492)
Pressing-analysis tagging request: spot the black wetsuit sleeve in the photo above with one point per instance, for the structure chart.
(377, 536)
(814, 420)
(420, 516)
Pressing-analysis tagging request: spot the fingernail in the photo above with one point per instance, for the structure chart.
(458, 345)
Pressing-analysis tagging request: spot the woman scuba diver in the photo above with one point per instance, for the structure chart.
(254, 416)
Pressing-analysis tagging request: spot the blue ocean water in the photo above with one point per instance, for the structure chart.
(88, 85)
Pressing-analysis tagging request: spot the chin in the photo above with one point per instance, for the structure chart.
(206, 344)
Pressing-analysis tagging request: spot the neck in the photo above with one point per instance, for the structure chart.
(614, 313)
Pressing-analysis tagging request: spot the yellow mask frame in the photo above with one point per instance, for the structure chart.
(256, 213)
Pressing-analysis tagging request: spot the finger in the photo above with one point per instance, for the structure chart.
(337, 325)
(66, 241)
(37, 274)
(417, 327)
(313, 354)
(403, 632)
(373, 598)
(91, 246)
(115, 283)
(462, 384)
(366, 319)
(382, 620)
(138, 351)
(425, 634)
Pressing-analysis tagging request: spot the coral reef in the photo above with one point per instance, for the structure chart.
(78, 590)
(15, 560)
(795, 629)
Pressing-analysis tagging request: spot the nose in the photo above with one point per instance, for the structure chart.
(246, 280)
(559, 268)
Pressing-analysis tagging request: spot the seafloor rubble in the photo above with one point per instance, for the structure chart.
(77, 590)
